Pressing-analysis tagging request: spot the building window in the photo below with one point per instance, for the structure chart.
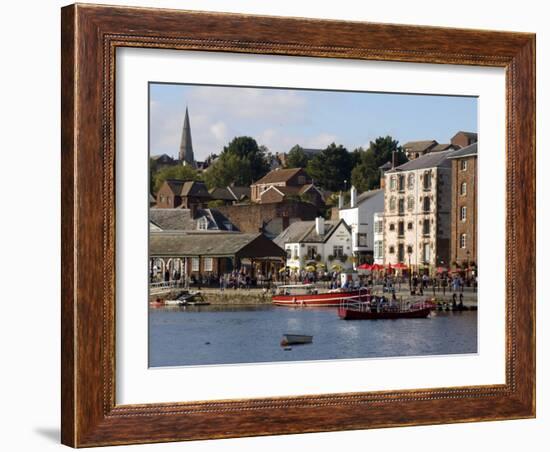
(311, 252)
(362, 239)
(401, 229)
(378, 250)
(463, 165)
(409, 226)
(208, 264)
(426, 204)
(392, 249)
(410, 203)
(392, 204)
(393, 183)
(195, 264)
(392, 226)
(401, 205)
(202, 224)
(338, 251)
(426, 252)
(463, 213)
(378, 225)
(401, 181)
(427, 180)
(463, 187)
(426, 227)
(410, 181)
(301, 180)
(288, 253)
(409, 249)
(463, 241)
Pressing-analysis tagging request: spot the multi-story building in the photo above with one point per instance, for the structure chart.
(378, 237)
(464, 207)
(359, 216)
(320, 241)
(417, 212)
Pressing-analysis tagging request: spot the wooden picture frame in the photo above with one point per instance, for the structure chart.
(90, 36)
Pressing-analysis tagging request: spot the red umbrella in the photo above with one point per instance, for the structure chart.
(365, 267)
(400, 266)
(442, 269)
(376, 267)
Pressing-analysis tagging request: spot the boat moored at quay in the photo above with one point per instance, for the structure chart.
(298, 295)
(372, 310)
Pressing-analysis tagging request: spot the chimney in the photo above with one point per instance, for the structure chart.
(353, 197)
(340, 201)
(393, 159)
(320, 226)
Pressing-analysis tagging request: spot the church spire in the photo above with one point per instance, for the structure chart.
(186, 156)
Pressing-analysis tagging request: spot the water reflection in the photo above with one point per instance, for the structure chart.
(199, 335)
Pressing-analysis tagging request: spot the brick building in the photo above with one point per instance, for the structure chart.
(271, 219)
(463, 139)
(279, 178)
(464, 207)
(186, 194)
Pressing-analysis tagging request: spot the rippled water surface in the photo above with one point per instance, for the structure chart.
(226, 335)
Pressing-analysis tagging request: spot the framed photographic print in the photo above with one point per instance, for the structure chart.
(268, 230)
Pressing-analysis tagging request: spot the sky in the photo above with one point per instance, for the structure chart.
(282, 118)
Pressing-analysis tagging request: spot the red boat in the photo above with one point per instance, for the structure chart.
(351, 310)
(308, 295)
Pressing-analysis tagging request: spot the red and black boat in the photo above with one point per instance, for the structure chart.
(303, 295)
(351, 310)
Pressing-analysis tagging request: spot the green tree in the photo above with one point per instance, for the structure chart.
(228, 169)
(331, 168)
(366, 173)
(247, 150)
(182, 172)
(297, 158)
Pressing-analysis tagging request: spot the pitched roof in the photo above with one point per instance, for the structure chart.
(278, 175)
(442, 147)
(468, 134)
(385, 166)
(419, 146)
(204, 243)
(304, 231)
(181, 219)
(188, 188)
(429, 160)
(465, 152)
(366, 195)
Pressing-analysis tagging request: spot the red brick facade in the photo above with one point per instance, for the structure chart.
(464, 211)
(250, 218)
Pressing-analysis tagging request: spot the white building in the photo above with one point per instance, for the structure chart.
(378, 235)
(321, 241)
(417, 212)
(359, 215)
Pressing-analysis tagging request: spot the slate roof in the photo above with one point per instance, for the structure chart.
(230, 193)
(181, 219)
(279, 175)
(216, 244)
(385, 166)
(465, 152)
(304, 231)
(365, 196)
(429, 160)
(419, 146)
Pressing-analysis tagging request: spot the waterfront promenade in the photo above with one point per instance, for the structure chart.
(254, 296)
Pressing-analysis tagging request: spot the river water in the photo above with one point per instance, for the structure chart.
(180, 336)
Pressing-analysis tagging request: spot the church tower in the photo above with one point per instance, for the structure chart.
(186, 156)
